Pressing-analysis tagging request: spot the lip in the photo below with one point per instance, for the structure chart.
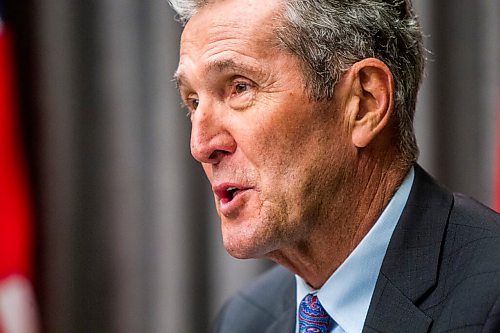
(231, 196)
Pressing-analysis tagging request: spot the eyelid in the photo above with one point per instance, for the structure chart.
(187, 102)
(241, 80)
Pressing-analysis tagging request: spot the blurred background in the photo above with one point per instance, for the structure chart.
(125, 234)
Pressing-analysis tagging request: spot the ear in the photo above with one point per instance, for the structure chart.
(370, 105)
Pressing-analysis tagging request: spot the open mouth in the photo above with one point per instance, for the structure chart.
(231, 193)
(227, 193)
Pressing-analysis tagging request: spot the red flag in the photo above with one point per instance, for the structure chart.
(17, 306)
(496, 191)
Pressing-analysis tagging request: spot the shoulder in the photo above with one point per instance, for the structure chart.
(466, 210)
(258, 305)
(469, 290)
(473, 230)
(473, 239)
(451, 245)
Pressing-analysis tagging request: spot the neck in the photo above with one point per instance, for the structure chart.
(349, 218)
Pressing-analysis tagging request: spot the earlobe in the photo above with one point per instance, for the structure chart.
(371, 102)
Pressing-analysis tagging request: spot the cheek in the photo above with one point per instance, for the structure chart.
(208, 171)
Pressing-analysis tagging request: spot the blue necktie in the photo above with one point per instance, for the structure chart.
(312, 316)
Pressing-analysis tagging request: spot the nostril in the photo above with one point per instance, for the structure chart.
(217, 155)
(211, 145)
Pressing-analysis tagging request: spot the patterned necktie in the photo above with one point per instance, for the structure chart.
(313, 317)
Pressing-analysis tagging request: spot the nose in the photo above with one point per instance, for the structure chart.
(211, 140)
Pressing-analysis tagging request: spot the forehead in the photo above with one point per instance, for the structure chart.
(241, 26)
(252, 16)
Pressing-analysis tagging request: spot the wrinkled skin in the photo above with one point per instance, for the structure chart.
(253, 126)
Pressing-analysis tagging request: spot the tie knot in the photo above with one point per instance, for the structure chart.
(313, 317)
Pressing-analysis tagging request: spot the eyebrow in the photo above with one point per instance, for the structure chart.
(224, 65)
(179, 80)
(220, 66)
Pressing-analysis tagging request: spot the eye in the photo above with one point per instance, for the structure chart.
(241, 92)
(239, 88)
(192, 103)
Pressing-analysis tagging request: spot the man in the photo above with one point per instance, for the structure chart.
(301, 116)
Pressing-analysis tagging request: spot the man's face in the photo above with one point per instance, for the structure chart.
(275, 159)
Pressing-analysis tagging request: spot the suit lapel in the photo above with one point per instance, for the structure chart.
(410, 265)
(392, 311)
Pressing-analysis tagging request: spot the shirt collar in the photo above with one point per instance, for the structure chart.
(346, 295)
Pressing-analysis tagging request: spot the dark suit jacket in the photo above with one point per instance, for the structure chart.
(441, 273)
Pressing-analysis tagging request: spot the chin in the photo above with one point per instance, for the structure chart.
(246, 247)
(239, 254)
(241, 251)
(252, 237)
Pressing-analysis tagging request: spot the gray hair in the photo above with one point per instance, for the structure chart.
(185, 9)
(329, 36)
